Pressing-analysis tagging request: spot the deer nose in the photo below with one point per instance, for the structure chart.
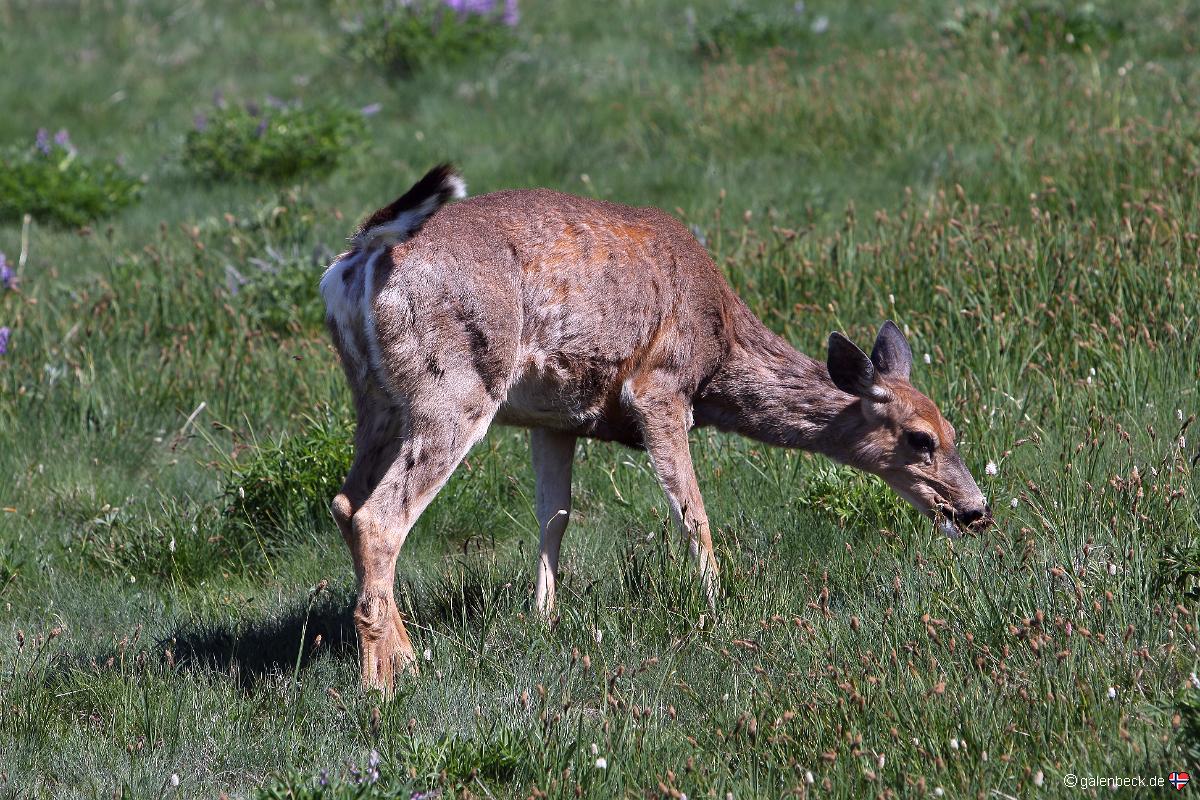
(973, 517)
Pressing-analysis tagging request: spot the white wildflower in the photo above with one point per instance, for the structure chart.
(1112, 693)
(174, 779)
(598, 635)
(810, 780)
(928, 359)
(939, 792)
(1012, 503)
(1195, 681)
(428, 654)
(954, 744)
(820, 24)
(601, 763)
(1039, 778)
(171, 546)
(991, 468)
(1112, 568)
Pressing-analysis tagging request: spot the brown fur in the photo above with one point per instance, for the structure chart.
(577, 318)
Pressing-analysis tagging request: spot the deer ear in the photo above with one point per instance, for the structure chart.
(891, 355)
(852, 371)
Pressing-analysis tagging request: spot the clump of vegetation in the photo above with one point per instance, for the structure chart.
(1035, 26)
(277, 143)
(744, 31)
(850, 497)
(446, 762)
(166, 540)
(288, 481)
(276, 291)
(405, 37)
(53, 183)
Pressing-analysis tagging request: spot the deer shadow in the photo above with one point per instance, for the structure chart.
(249, 650)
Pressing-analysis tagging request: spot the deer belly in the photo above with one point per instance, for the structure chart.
(584, 400)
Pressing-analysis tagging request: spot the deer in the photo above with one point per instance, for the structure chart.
(576, 317)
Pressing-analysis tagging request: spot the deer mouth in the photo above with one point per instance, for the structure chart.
(942, 514)
(952, 521)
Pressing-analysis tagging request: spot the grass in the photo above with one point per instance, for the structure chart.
(173, 418)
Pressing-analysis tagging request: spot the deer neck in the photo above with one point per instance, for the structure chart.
(769, 391)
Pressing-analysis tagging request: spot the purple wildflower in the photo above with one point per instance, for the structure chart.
(275, 102)
(468, 7)
(42, 141)
(200, 121)
(7, 277)
(252, 108)
(261, 129)
(4, 334)
(63, 140)
(511, 15)
(324, 779)
(371, 110)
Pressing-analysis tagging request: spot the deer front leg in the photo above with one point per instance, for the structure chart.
(553, 454)
(664, 420)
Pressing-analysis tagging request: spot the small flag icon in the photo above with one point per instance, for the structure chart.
(1178, 780)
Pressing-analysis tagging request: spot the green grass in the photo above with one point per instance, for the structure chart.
(172, 418)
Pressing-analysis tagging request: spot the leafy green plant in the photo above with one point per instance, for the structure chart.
(850, 497)
(277, 292)
(407, 37)
(277, 143)
(52, 182)
(1035, 26)
(743, 31)
(278, 483)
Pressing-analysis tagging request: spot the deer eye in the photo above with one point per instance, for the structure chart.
(920, 441)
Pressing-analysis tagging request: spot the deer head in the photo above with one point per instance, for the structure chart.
(898, 433)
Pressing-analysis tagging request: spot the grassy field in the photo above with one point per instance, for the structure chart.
(1016, 183)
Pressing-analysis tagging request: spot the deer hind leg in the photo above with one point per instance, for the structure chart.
(397, 480)
(553, 454)
(664, 422)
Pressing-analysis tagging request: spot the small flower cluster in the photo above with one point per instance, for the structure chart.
(8, 279)
(62, 141)
(506, 11)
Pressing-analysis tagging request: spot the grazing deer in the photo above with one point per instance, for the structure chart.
(575, 317)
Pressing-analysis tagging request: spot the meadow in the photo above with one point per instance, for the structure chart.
(1016, 183)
